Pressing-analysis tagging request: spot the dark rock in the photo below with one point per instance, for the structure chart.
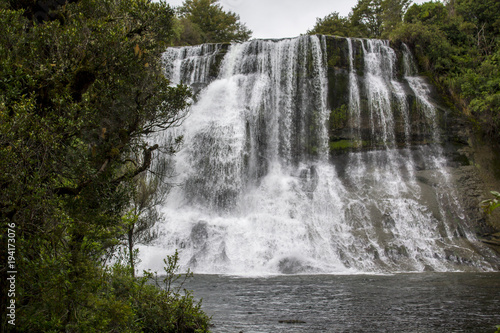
(292, 265)
(199, 234)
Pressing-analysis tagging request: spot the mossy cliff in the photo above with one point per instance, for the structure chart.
(342, 128)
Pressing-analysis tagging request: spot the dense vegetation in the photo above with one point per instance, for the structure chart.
(81, 87)
(455, 43)
(205, 21)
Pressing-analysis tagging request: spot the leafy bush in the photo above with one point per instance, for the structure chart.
(166, 306)
(490, 205)
(150, 303)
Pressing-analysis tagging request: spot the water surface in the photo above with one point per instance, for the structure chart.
(425, 302)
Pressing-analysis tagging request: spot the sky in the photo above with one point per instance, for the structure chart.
(282, 18)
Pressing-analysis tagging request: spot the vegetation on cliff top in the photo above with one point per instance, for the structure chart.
(205, 21)
(455, 43)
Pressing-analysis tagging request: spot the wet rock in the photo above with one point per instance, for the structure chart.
(428, 268)
(199, 234)
(492, 239)
(292, 265)
(309, 178)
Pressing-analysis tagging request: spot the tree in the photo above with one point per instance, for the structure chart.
(150, 191)
(368, 19)
(333, 24)
(214, 24)
(80, 89)
(188, 33)
(484, 15)
(428, 13)
(392, 14)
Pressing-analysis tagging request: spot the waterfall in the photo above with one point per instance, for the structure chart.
(267, 188)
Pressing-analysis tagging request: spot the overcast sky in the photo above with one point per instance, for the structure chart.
(282, 18)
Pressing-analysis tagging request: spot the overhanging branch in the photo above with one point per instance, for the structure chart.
(79, 188)
(146, 163)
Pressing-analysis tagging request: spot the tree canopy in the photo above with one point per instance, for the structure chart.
(368, 19)
(205, 21)
(81, 86)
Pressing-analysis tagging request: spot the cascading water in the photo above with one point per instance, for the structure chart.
(266, 189)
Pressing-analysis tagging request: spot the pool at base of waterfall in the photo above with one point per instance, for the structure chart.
(406, 302)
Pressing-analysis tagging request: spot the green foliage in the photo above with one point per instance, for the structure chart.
(490, 205)
(392, 14)
(123, 303)
(428, 13)
(150, 303)
(368, 19)
(457, 43)
(205, 21)
(484, 16)
(188, 32)
(429, 43)
(79, 92)
(333, 24)
(338, 117)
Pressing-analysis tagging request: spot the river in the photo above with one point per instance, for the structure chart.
(418, 302)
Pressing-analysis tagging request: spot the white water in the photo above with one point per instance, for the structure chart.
(260, 193)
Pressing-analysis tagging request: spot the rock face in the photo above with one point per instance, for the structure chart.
(369, 75)
(322, 154)
(477, 172)
(473, 164)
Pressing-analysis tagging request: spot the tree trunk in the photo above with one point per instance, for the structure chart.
(131, 248)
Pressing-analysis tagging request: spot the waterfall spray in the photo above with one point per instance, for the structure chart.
(262, 191)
